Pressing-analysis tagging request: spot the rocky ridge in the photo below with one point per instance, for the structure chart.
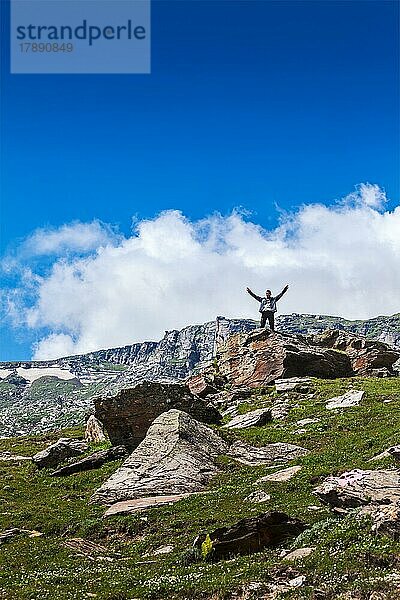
(38, 396)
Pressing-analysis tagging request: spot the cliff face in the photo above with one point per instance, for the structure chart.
(42, 395)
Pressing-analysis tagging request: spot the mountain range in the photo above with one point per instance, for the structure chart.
(38, 396)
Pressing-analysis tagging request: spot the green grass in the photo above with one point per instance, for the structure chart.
(347, 556)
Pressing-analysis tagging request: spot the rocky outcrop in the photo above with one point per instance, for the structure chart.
(128, 415)
(94, 430)
(53, 403)
(368, 357)
(56, 453)
(358, 487)
(260, 357)
(377, 493)
(250, 535)
(177, 456)
(291, 384)
(93, 461)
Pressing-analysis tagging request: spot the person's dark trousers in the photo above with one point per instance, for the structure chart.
(268, 314)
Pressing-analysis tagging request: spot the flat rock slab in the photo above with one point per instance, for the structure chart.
(280, 476)
(131, 506)
(293, 384)
(177, 456)
(356, 488)
(128, 415)
(392, 451)
(299, 553)
(254, 418)
(93, 461)
(251, 535)
(8, 456)
(56, 453)
(352, 398)
(271, 454)
(303, 422)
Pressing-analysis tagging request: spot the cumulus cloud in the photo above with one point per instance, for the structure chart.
(340, 260)
(74, 237)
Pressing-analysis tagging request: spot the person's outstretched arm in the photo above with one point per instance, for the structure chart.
(285, 289)
(248, 290)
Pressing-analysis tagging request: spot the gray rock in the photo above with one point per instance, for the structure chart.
(293, 384)
(349, 399)
(299, 553)
(254, 418)
(93, 461)
(271, 454)
(177, 456)
(280, 409)
(280, 476)
(251, 535)
(358, 487)
(385, 518)
(9, 457)
(94, 431)
(56, 453)
(128, 415)
(258, 496)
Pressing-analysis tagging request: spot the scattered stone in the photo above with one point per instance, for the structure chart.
(163, 550)
(8, 456)
(351, 398)
(260, 357)
(177, 456)
(258, 496)
(392, 451)
(297, 581)
(128, 415)
(56, 453)
(356, 488)
(307, 422)
(9, 534)
(298, 384)
(132, 506)
(251, 534)
(299, 553)
(280, 409)
(93, 461)
(254, 418)
(94, 431)
(281, 476)
(266, 455)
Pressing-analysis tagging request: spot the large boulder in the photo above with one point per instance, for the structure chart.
(56, 453)
(361, 487)
(128, 415)
(177, 456)
(368, 357)
(250, 535)
(260, 357)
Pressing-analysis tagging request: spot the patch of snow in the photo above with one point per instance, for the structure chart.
(5, 373)
(34, 373)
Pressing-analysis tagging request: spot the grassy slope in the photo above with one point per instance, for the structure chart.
(347, 556)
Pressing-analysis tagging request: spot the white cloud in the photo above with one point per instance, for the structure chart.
(75, 237)
(339, 260)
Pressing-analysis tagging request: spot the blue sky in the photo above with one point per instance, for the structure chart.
(256, 105)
